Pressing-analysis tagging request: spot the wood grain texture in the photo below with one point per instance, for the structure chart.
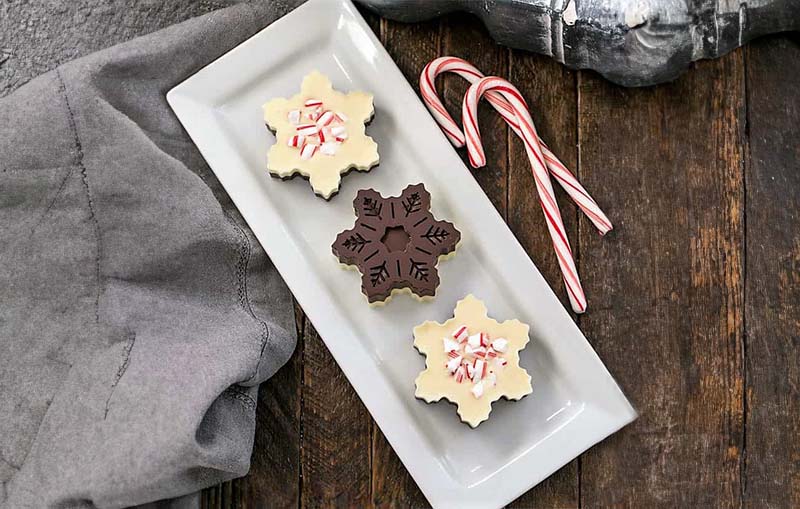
(772, 469)
(464, 36)
(551, 92)
(694, 299)
(219, 496)
(666, 288)
(274, 477)
(335, 454)
(411, 47)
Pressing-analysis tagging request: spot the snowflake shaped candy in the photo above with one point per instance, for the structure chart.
(396, 243)
(320, 134)
(472, 361)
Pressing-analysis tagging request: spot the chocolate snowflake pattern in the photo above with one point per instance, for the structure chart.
(320, 134)
(396, 243)
(472, 361)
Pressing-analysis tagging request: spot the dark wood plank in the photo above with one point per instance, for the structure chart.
(772, 285)
(411, 47)
(372, 19)
(218, 496)
(464, 36)
(392, 485)
(666, 288)
(551, 92)
(274, 477)
(335, 455)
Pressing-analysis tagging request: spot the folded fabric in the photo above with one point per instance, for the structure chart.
(138, 314)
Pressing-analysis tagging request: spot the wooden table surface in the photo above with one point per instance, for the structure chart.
(694, 298)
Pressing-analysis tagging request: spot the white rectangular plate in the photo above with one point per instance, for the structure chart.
(575, 402)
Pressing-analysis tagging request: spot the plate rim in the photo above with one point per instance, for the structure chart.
(429, 476)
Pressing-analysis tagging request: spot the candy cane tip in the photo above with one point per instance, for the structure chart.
(578, 306)
(476, 164)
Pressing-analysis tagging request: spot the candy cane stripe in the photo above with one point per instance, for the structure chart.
(513, 108)
(453, 133)
(540, 173)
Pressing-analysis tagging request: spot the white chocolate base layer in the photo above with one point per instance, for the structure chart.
(359, 152)
(436, 382)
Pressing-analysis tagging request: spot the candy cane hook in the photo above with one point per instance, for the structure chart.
(556, 168)
(547, 199)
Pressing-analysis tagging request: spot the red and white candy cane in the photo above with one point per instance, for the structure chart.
(507, 100)
(556, 168)
(540, 175)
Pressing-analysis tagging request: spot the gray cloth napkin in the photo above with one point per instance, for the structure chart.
(138, 314)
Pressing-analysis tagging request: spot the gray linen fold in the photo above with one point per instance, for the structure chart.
(138, 314)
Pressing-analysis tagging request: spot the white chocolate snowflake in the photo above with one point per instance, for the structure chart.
(320, 134)
(472, 361)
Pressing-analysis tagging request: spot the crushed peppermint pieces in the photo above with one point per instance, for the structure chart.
(320, 134)
(317, 130)
(472, 361)
(474, 358)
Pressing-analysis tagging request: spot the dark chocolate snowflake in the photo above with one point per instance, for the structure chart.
(396, 243)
